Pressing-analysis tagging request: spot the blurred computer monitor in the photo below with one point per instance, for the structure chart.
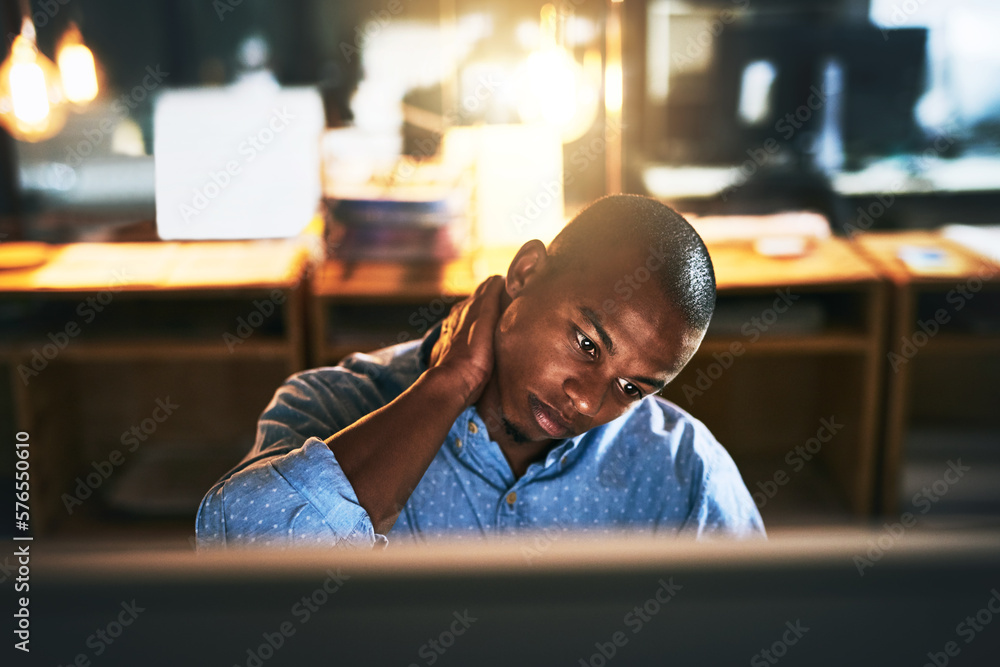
(880, 598)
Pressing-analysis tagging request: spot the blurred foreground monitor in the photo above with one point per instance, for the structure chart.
(882, 598)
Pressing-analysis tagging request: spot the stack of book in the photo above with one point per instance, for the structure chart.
(424, 226)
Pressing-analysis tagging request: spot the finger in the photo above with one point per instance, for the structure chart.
(487, 294)
(491, 284)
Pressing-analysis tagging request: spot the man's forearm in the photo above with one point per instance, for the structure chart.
(385, 454)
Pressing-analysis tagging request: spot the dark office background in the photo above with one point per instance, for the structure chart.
(887, 74)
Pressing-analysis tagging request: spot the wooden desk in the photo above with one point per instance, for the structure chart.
(794, 347)
(94, 338)
(773, 396)
(939, 369)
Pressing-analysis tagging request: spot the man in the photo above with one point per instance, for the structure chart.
(532, 407)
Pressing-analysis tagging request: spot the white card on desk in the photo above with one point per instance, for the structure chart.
(240, 162)
(919, 258)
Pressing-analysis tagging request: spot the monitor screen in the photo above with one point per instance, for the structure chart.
(840, 598)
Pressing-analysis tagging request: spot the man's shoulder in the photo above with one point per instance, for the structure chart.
(321, 401)
(665, 429)
(390, 369)
(660, 417)
(718, 494)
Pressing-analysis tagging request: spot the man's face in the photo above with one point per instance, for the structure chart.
(577, 348)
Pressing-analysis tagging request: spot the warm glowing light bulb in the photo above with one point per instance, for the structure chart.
(31, 98)
(76, 67)
(27, 88)
(555, 89)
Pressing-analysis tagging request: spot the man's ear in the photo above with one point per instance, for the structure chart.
(527, 264)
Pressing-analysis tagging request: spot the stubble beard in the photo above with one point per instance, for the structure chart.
(515, 434)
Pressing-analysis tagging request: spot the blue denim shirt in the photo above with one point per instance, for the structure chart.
(655, 468)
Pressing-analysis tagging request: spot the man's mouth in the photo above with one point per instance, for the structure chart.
(548, 418)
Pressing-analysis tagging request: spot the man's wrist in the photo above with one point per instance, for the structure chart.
(447, 387)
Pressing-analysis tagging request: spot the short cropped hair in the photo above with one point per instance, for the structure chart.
(686, 277)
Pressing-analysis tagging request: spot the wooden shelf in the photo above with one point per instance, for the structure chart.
(960, 344)
(170, 349)
(947, 359)
(809, 497)
(832, 343)
(158, 335)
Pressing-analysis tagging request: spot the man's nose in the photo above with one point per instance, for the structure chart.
(586, 394)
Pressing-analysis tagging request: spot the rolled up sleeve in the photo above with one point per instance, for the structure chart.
(290, 490)
(300, 499)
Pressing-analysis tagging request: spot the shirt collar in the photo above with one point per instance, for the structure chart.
(470, 429)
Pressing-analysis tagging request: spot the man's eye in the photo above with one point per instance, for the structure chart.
(630, 389)
(585, 343)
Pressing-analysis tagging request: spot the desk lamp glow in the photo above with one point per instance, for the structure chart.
(32, 102)
(33, 92)
(76, 67)
(553, 88)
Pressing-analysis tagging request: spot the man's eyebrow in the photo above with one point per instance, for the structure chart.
(595, 320)
(657, 385)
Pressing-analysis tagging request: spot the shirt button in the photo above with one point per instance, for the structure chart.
(512, 497)
(473, 429)
(458, 443)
